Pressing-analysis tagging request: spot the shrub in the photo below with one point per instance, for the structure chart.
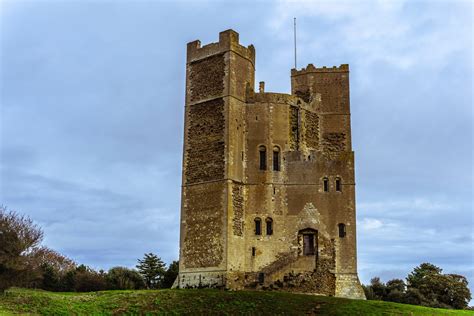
(120, 278)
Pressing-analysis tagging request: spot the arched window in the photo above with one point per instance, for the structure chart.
(276, 158)
(326, 184)
(263, 157)
(338, 185)
(342, 230)
(269, 223)
(258, 226)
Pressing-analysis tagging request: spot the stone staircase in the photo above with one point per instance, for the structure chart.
(280, 265)
(290, 273)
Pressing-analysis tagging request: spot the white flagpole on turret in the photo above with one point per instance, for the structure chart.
(294, 33)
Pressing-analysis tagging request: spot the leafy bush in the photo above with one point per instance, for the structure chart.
(120, 278)
(88, 280)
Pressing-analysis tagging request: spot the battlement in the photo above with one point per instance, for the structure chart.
(228, 41)
(312, 69)
(272, 97)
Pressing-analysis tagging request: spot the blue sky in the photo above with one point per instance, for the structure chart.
(92, 98)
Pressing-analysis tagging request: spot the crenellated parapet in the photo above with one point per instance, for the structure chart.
(312, 69)
(275, 98)
(228, 41)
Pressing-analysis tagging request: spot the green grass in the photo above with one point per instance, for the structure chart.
(198, 302)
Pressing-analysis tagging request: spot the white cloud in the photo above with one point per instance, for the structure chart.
(401, 205)
(371, 224)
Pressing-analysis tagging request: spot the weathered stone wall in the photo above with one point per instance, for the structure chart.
(205, 142)
(294, 128)
(348, 285)
(311, 129)
(334, 141)
(238, 206)
(203, 245)
(206, 77)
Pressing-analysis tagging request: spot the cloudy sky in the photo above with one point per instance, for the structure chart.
(92, 97)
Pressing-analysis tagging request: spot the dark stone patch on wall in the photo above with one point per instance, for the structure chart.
(305, 95)
(203, 246)
(207, 77)
(238, 206)
(334, 141)
(294, 128)
(205, 143)
(311, 132)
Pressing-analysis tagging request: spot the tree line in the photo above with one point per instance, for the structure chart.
(24, 262)
(426, 285)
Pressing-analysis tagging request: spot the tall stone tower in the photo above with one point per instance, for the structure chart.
(268, 195)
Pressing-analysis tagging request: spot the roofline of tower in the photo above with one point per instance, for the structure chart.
(228, 41)
(312, 69)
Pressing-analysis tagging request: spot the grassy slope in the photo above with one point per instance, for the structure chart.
(199, 302)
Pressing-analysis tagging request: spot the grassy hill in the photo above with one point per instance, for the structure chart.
(198, 302)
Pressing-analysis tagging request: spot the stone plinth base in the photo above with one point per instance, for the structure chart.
(348, 286)
(201, 279)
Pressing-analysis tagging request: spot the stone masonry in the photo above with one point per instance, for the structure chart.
(268, 194)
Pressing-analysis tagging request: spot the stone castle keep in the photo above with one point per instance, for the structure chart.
(268, 194)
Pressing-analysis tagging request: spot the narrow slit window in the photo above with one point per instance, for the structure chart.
(338, 185)
(342, 230)
(258, 226)
(253, 251)
(269, 223)
(276, 159)
(326, 185)
(263, 157)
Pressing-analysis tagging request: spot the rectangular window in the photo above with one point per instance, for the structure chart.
(269, 227)
(338, 185)
(326, 185)
(253, 251)
(342, 230)
(258, 227)
(276, 160)
(263, 160)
